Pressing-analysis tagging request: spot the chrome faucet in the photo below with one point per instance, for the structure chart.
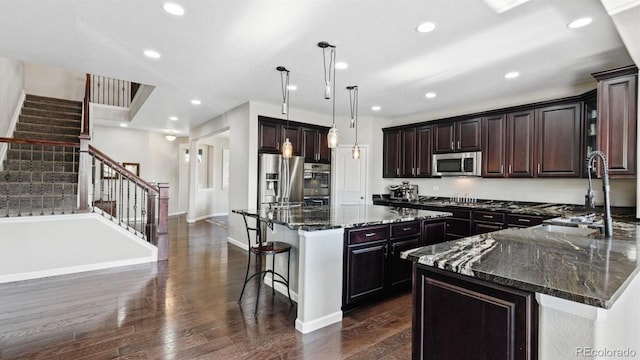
(590, 199)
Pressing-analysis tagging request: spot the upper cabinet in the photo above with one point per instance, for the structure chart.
(457, 136)
(407, 152)
(558, 138)
(315, 148)
(307, 140)
(617, 117)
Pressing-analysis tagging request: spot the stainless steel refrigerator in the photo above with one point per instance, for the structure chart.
(280, 180)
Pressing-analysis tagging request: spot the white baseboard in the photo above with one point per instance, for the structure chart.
(204, 217)
(241, 244)
(309, 326)
(281, 288)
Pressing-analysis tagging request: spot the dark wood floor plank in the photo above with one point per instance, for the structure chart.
(185, 308)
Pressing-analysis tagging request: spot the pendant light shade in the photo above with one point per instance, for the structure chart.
(329, 83)
(353, 105)
(287, 147)
(355, 152)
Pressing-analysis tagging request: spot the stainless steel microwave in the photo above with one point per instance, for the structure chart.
(457, 164)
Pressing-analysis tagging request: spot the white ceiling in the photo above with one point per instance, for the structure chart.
(225, 52)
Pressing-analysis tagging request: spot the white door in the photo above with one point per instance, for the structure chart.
(350, 186)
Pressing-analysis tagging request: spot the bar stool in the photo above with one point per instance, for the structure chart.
(261, 249)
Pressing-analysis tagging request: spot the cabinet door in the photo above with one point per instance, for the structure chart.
(293, 133)
(468, 135)
(443, 138)
(558, 141)
(269, 136)
(520, 144)
(309, 145)
(482, 227)
(324, 153)
(423, 151)
(617, 112)
(365, 271)
(407, 153)
(391, 154)
(400, 269)
(433, 232)
(496, 322)
(493, 146)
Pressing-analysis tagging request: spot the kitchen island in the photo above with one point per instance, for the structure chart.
(317, 238)
(543, 292)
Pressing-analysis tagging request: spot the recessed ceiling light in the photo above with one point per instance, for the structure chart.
(430, 95)
(578, 23)
(173, 118)
(511, 75)
(196, 102)
(123, 125)
(173, 9)
(500, 6)
(170, 137)
(292, 87)
(341, 65)
(376, 108)
(425, 27)
(152, 54)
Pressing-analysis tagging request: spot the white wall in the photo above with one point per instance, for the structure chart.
(213, 200)
(11, 85)
(54, 82)
(158, 158)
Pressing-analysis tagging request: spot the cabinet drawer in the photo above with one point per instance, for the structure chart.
(405, 229)
(367, 234)
(488, 216)
(523, 220)
(461, 214)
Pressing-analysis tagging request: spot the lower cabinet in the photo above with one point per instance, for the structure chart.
(459, 317)
(372, 265)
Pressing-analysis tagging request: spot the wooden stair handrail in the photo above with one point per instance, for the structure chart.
(85, 105)
(121, 169)
(39, 142)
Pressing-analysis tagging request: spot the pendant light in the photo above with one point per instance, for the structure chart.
(353, 105)
(329, 82)
(287, 147)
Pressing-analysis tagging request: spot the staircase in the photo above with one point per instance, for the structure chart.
(38, 177)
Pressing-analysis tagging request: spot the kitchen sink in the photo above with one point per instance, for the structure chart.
(568, 230)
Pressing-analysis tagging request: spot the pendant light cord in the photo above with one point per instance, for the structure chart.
(332, 66)
(284, 81)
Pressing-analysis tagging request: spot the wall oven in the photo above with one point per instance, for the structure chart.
(457, 164)
(317, 188)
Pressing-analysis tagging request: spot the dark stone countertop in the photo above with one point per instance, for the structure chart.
(314, 218)
(593, 271)
(546, 210)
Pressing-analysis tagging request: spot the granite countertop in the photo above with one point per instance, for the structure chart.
(313, 218)
(593, 271)
(546, 210)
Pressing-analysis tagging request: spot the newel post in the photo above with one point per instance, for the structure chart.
(150, 229)
(84, 174)
(163, 222)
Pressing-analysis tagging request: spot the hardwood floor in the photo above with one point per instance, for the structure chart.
(185, 308)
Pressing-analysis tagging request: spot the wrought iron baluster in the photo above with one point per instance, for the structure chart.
(53, 179)
(120, 200)
(42, 180)
(128, 200)
(143, 212)
(30, 179)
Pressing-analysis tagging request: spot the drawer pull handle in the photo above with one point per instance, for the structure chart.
(487, 216)
(524, 220)
(369, 234)
(406, 229)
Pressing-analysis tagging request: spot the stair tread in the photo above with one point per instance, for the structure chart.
(40, 98)
(38, 117)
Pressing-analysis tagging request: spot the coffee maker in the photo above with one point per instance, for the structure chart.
(405, 192)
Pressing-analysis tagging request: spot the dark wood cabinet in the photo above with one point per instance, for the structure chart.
(523, 221)
(269, 136)
(391, 153)
(559, 141)
(294, 134)
(496, 322)
(457, 136)
(315, 146)
(373, 267)
(520, 144)
(415, 152)
(617, 118)
(487, 221)
(493, 146)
